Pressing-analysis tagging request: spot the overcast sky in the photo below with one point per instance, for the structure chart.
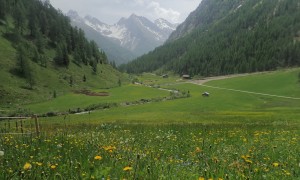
(110, 11)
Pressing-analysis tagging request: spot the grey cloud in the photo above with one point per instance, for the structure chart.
(110, 11)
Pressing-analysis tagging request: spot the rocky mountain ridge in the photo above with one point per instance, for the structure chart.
(136, 34)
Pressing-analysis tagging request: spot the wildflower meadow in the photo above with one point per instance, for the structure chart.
(153, 135)
(118, 151)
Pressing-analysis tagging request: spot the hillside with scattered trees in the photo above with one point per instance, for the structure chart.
(42, 53)
(227, 37)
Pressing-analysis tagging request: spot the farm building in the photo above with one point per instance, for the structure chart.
(186, 76)
(165, 76)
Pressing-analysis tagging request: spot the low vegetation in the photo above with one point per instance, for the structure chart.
(116, 151)
(228, 135)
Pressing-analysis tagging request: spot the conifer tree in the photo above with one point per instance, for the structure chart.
(59, 55)
(24, 67)
(19, 17)
(40, 42)
(32, 23)
(2, 9)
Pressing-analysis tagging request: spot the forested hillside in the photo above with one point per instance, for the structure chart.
(225, 37)
(42, 55)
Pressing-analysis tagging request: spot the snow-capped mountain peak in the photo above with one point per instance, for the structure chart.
(135, 33)
(164, 24)
(93, 20)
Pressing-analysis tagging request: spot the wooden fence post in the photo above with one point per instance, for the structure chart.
(22, 127)
(37, 126)
(5, 127)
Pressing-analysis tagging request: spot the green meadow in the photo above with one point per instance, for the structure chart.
(228, 135)
(223, 106)
(115, 95)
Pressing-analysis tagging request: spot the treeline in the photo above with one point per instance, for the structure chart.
(253, 36)
(35, 27)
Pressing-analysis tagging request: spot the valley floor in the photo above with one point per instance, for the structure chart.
(229, 135)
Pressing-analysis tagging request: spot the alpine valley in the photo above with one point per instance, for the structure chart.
(128, 38)
(66, 112)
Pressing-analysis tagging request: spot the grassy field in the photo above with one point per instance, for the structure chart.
(229, 135)
(222, 106)
(125, 93)
(116, 151)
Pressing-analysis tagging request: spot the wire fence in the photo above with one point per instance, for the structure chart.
(19, 125)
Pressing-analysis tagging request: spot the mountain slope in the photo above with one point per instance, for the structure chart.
(43, 56)
(137, 35)
(208, 12)
(243, 36)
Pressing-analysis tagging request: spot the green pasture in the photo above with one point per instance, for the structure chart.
(222, 107)
(153, 79)
(126, 93)
(282, 82)
(229, 135)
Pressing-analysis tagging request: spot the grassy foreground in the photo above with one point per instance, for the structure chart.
(230, 135)
(116, 151)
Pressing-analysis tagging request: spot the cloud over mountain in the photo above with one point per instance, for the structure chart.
(111, 11)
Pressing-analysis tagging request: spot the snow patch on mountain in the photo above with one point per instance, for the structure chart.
(131, 33)
(164, 24)
(157, 35)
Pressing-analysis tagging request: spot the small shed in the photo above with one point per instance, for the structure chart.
(165, 76)
(186, 76)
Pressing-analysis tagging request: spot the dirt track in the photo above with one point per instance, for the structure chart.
(202, 81)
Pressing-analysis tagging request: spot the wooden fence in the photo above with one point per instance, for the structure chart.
(19, 125)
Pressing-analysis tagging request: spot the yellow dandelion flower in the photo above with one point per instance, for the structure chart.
(127, 168)
(39, 164)
(248, 161)
(198, 149)
(201, 178)
(109, 148)
(97, 157)
(27, 166)
(275, 164)
(53, 167)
